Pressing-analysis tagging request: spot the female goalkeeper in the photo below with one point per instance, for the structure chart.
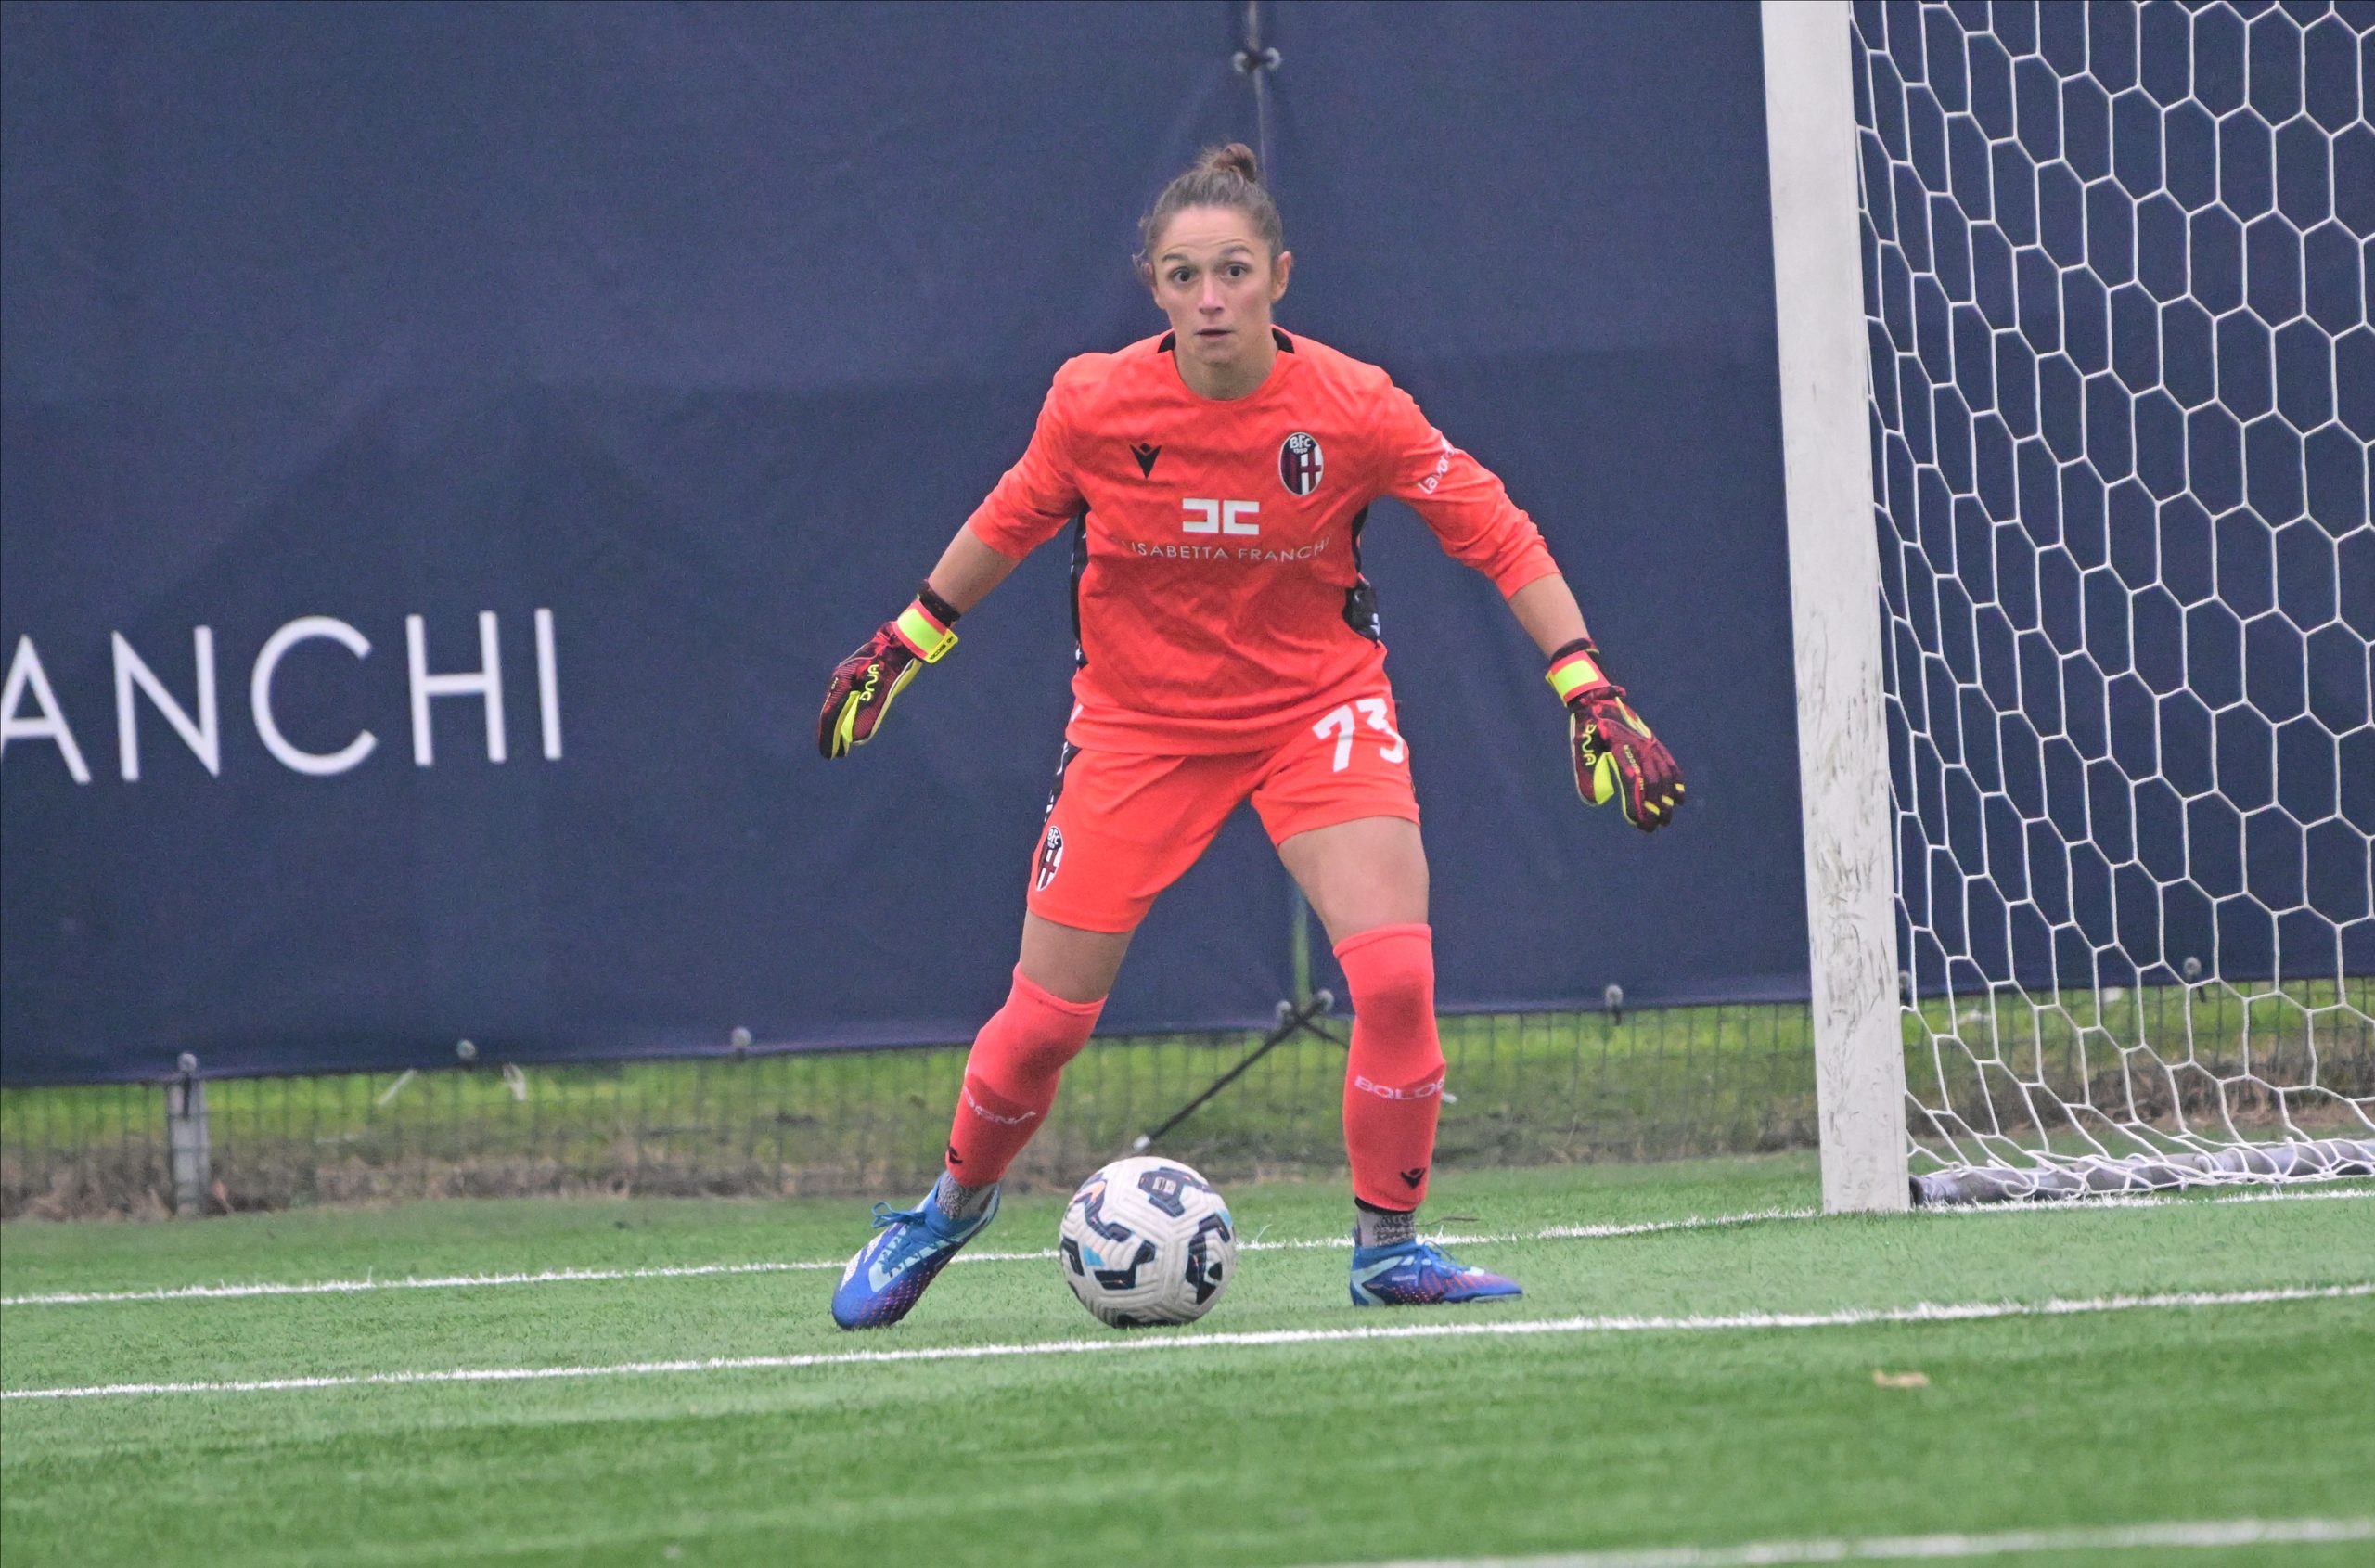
(1216, 479)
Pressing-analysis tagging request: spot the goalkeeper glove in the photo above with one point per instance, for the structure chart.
(865, 683)
(1617, 757)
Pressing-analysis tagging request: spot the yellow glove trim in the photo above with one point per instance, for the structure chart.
(1600, 785)
(845, 727)
(929, 640)
(1573, 673)
(1604, 781)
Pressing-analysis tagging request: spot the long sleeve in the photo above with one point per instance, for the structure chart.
(1461, 499)
(1037, 496)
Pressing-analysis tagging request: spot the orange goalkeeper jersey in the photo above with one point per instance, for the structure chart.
(1218, 595)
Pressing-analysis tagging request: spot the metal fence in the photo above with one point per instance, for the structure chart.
(1536, 1088)
(1522, 1089)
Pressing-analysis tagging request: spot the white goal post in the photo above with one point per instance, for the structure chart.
(2077, 375)
(1834, 599)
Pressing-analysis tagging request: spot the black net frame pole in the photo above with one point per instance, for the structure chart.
(1256, 62)
(1293, 1019)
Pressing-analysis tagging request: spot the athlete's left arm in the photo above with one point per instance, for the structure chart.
(1469, 510)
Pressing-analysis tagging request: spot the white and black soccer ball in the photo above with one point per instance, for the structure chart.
(1147, 1242)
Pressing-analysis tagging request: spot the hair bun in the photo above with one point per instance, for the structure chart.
(1221, 176)
(1236, 158)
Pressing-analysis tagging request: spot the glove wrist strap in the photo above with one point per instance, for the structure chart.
(1575, 667)
(924, 626)
(939, 608)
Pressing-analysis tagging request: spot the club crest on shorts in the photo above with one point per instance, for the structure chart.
(1051, 855)
(1300, 464)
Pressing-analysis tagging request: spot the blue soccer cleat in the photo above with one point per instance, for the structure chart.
(889, 1274)
(1414, 1274)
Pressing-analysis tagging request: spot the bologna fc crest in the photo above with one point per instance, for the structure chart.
(1299, 463)
(1051, 855)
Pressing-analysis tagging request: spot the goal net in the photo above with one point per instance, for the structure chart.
(2117, 264)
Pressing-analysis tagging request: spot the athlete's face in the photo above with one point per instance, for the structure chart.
(1214, 279)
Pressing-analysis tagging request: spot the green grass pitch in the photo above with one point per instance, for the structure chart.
(1596, 1437)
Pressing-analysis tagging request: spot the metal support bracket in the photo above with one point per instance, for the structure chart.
(188, 1141)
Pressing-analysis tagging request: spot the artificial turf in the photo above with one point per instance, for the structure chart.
(1328, 1451)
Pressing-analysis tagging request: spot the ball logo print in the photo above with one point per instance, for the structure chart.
(1147, 1241)
(1300, 463)
(1167, 1187)
(1209, 1254)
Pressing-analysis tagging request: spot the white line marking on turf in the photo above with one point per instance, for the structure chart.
(1869, 1548)
(433, 1282)
(805, 1265)
(1921, 1312)
(695, 1271)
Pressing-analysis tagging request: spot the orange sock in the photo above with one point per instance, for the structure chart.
(1393, 1084)
(1010, 1078)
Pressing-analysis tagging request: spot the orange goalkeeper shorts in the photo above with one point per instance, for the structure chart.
(1121, 827)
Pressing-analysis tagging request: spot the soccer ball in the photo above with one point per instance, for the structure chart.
(1147, 1242)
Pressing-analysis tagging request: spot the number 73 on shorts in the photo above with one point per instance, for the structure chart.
(1121, 828)
(1342, 726)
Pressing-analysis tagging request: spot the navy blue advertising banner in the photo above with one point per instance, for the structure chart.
(444, 448)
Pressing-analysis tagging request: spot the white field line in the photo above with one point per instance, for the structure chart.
(699, 1270)
(1935, 1548)
(805, 1265)
(1921, 1312)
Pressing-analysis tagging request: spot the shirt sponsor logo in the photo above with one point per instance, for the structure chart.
(1249, 553)
(1300, 463)
(1443, 466)
(1218, 517)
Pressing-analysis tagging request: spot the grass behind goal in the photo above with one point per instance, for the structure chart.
(1525, 1089)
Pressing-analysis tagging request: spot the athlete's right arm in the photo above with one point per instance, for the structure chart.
(968, 569)
(1034, 500)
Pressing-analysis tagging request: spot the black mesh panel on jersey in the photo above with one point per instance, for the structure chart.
(1080, 568)
(1063, 760)
(1360, 599)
